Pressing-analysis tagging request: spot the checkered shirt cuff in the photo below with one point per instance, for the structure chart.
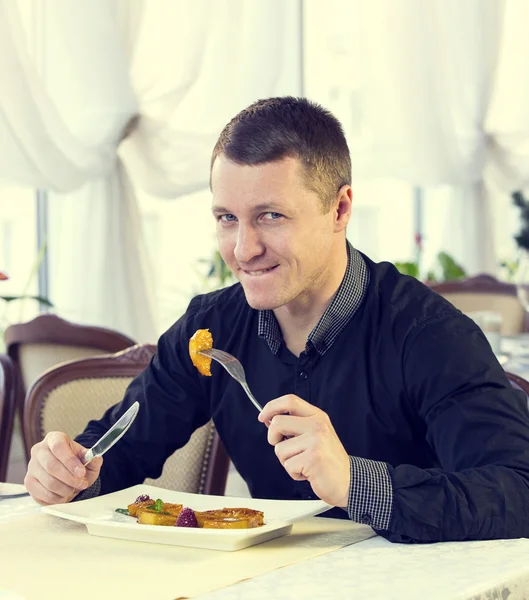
(371, 493)
(91, 492)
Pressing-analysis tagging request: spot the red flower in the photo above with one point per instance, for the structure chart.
(3, 276)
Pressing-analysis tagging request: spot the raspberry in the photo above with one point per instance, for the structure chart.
(186, 518)
(142, 498)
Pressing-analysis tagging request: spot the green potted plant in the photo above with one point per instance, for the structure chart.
(445, 269)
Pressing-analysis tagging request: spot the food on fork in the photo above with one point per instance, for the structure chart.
(201, 340)
(150, 512)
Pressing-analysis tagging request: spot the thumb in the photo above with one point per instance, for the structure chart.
(93, 468)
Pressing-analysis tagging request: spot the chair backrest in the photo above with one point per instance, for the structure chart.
(484, 292)
(519, 383)
(69, 395)
(47, 341)
(7, 411)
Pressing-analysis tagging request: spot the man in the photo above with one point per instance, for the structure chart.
(380, 397)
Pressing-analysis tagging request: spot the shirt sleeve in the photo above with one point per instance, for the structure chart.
(371, 494)
(91, 492)
(478, 428)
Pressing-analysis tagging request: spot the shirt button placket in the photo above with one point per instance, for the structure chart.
(302, 383)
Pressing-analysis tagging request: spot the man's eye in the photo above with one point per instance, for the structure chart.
(273, 215)
(227, 218)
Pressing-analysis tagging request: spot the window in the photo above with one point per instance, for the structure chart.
(180, 238)
(383, 217)
(18, 252)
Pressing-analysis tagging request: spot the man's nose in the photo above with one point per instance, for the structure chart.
(249, 244)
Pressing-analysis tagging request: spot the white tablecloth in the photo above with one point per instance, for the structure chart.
(372, 569)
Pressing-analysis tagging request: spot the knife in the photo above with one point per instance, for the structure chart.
(114, 434)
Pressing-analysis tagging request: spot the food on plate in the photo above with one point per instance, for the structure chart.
(137, 508)
(153, 517)
(201, 340)
(187, 518)
(230, 518)
(150, 512)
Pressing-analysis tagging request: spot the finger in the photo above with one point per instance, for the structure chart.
(289, 404)
(60, 446)
(52, 465)
(289, 448)
(286, 426)
(295, 467)
(54, 485)
(94, 466)
(40, 494)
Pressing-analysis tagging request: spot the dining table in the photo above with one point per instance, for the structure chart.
(44, 556)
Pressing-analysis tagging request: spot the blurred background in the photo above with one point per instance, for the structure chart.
(110, 108)
(109, 111)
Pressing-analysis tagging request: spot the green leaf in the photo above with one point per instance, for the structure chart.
(408, 268)
(450, 268)
(431, 276)
(40, 299)
(157, 506)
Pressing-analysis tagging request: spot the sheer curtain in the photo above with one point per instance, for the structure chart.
(428, 73)
(434, 94)
(65, 104)
(97, 93)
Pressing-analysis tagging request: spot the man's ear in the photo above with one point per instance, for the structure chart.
(342, 207)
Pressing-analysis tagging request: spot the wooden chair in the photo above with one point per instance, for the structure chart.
(66, 397)
(484, 292)
(518, 382)
(7, 411)
(48, 340)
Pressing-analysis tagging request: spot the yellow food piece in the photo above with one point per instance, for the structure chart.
(226, 524)
(201, 340)
(253, 518)
(137, 506)
(153, 517)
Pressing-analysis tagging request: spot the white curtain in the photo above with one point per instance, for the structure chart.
(507, 121)
(427, 75)
(98, 92)
(433, 93)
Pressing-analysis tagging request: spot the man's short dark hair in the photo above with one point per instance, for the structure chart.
(276, 128)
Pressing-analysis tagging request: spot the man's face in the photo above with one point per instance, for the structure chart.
(271, 231)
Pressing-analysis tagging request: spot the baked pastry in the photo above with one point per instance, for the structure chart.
(201, 340)
(230, 518)
(150, 512)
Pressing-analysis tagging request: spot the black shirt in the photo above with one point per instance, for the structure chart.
(438, 438)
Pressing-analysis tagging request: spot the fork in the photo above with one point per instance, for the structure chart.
(234, 368)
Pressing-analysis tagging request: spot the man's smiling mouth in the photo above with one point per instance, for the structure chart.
(258, 272)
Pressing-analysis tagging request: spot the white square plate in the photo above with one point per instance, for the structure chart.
(100, 517)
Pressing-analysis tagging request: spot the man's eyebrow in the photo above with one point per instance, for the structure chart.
(219, 210)
(265, 206)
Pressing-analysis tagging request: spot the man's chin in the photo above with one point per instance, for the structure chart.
(260, 303)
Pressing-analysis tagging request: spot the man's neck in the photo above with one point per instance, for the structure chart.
(298, 318)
